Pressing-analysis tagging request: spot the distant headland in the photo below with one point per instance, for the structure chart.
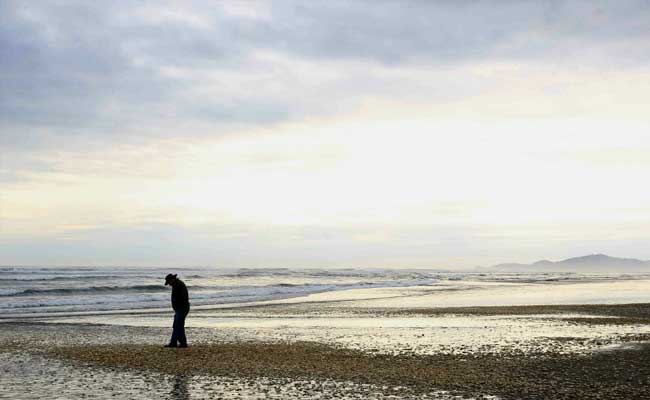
(588, 263)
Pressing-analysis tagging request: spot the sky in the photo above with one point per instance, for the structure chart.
(405, 134)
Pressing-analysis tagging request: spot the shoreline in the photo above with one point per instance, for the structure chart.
(442, 294)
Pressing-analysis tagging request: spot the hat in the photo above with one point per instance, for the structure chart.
(169, 278)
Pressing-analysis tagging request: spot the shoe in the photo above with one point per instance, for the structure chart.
(170, 345)
(182, 345)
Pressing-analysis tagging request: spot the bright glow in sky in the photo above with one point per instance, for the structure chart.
(253, 134)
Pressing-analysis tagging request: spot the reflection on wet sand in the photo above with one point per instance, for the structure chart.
(180, 389)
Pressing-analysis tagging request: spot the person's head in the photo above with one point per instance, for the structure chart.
(170, 279)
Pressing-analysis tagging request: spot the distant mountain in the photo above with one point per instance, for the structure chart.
(590, 263)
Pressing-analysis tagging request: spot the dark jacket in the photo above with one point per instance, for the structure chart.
(180, 298)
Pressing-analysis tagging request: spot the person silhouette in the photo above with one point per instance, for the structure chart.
(181, 306)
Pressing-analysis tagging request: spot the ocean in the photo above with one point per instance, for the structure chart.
(28, 291)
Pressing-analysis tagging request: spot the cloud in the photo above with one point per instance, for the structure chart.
(317, 120)
(79, 70)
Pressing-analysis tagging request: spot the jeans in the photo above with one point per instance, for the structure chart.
(178, 334)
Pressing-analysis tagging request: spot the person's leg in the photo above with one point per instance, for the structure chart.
(176, 328)
(181, 330)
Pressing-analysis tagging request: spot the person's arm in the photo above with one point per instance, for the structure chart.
(185, 297)
(175, 299)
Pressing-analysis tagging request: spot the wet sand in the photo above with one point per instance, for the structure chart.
(597, 314)
(616, 374)
(587, 351)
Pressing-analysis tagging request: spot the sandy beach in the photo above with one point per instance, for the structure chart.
(341, 351)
